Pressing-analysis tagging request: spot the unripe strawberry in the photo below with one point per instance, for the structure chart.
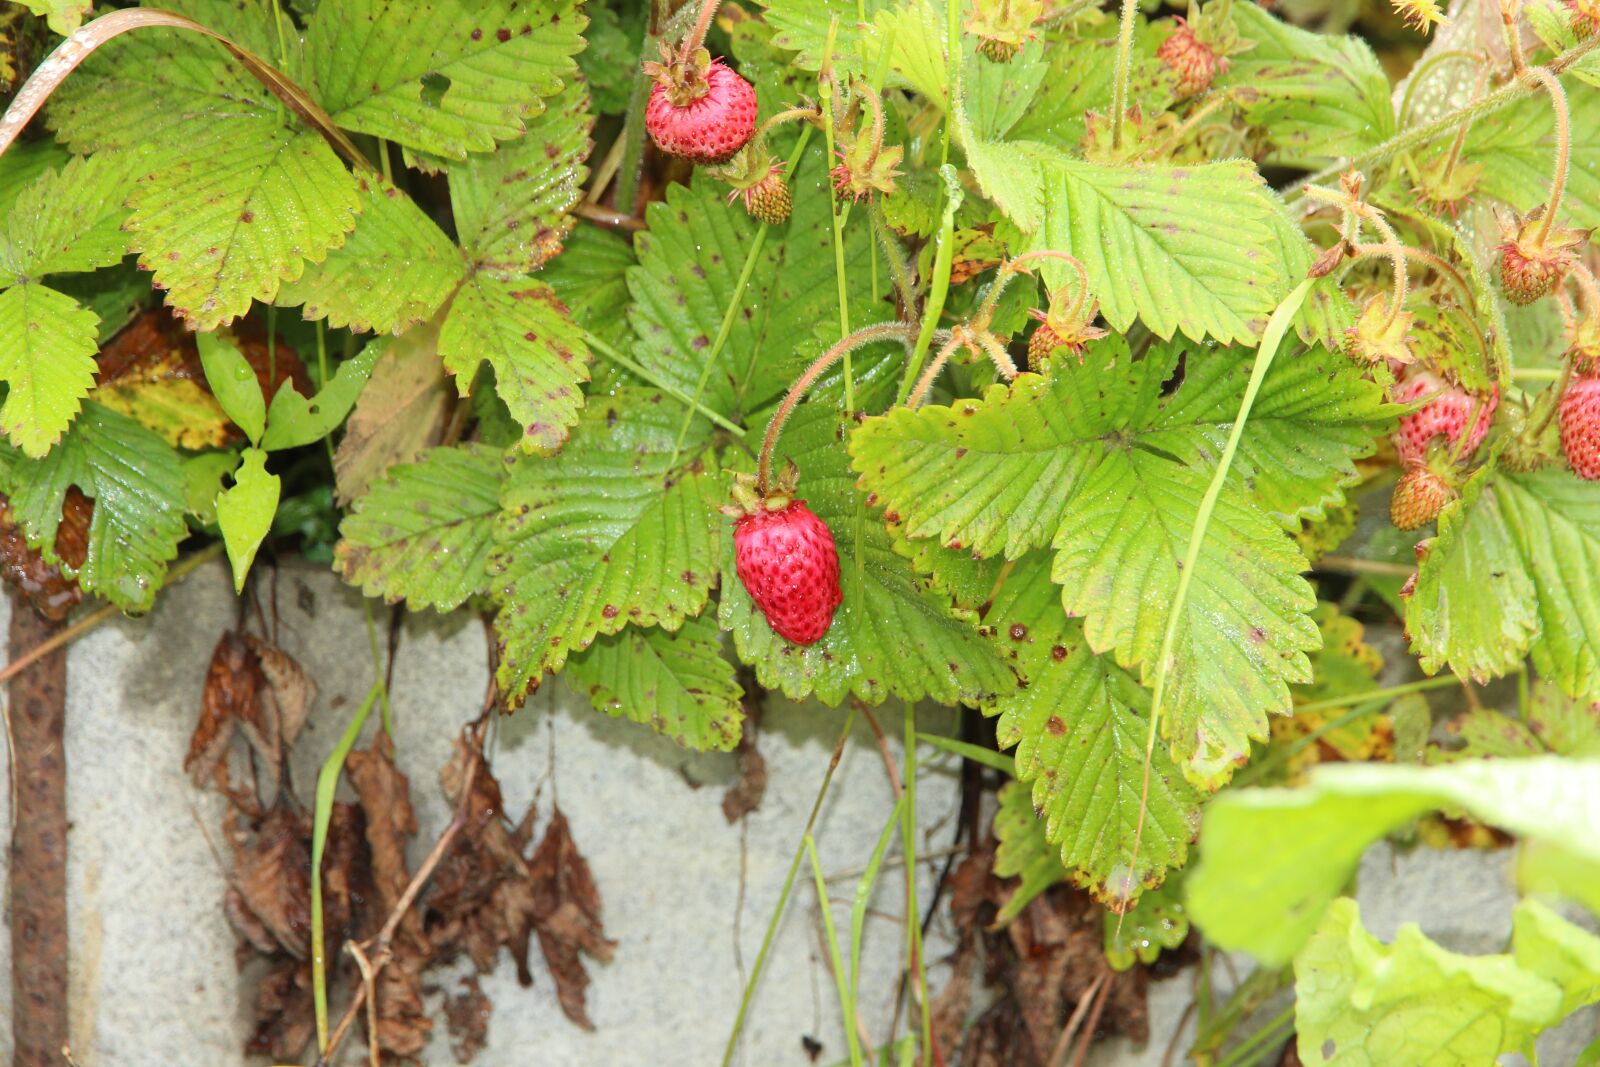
(1194, 61)
(1062, 328)
(1531, 262)
(766, 198)
(787, 562)
(1585, 18)
(1444, 416)
(1418, 497)
(699, 109)
(1580, 426)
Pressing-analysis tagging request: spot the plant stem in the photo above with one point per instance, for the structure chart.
(863, 896)
(378, 673)
(1461, 134)
(327, 782)
(883, 331)
(1425, 68)
(1443, 681)
(841, 981)
(1119, 90)
(783, 895)
(702, 25)
(1276, 1029)
(1558, 179)
(908, 847)
(944, 251)
(1508, 22)
(673, 391)
(1271, 338)
(825, 85)
(957, 340)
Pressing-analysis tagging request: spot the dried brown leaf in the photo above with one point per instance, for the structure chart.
(401, 411)
(290, 689)
(566, 915)
(51, 592)
(271, 878)
(231, 696)
(284, 1016)
(467, 1015)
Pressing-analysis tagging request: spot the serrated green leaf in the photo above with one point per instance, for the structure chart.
(1559, 951)
(202, 482)
(394, 271)
(1361, 1003)
(538, 353)
(1510, 572)
(1079, 727)
(591, 278)
(689, 264)
(678, 683)
(1517, 151)
(47, 347)
(22, 164)
(233, 382)
(65, 16)
(802, 26)
(1275, 858)
(601, 535)
(423, 533)
(511, 207)
(66, 220)
(245, 510)
(292, 420)
(892, 635)
(137, 485)
(447, 78)
(1022, 850)
(237, 216)
(1316, 95)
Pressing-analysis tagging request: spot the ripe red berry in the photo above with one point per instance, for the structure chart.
(1580, 426)
(1445, 416)
(1418, 497)
(699, 109)
(790, 568)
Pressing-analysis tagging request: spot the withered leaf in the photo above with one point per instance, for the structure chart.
(566, 915)
(47, 588)
(401, 411)
(467, 1015)
(284, 1017)
(231, 699)
(290, 689)
(271, 882)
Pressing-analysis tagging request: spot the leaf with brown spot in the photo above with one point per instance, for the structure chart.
(401, 411)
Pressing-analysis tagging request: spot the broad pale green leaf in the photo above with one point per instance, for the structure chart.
(47, 347)
(689, 263)
(1553, 948)
(892, 635)
(234, 383)
(233, 218)
(1022, 850)
(203, 476)
(66, 220)
(1361, 1003)
(1079, 726)
(511, 207)
(393, 271)
(538, 353)
(137, 485)
(802, 26)
(1512, 571)
(603, 534)
(1275, 858)
(292, 420)
(1517, 150)
(678, 683)
(423, 533)
(64, 15)
(22, 164)
(1316, 95)
(245, 510)
(591, 278)
(449, 77)
(1551, 722)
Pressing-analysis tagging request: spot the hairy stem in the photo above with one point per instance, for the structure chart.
(958, 339)
(1077, 265)
(1461, 134)
(882, 331)
(1427, 67)
(1558, 179)
(1119, 90)
(702, 26)
(1508, 22)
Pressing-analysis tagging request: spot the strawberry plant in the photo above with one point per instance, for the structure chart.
(1105, 372)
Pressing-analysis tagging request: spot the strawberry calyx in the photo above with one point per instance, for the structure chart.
(749, 498)
(684, 76)
(1532, 257)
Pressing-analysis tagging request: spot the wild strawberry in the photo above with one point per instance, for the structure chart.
(1194, 61)
(785, 557)
(758, 181)
(1580, 426)
(1378, 338)
(1063, 331)
(1531, 262)
(1418, 497)
(1002, 27)
(699, 109)
(1444, 416)
(1585, 17)
(864, 169)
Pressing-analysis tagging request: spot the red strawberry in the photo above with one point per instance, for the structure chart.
(699, 109)
(1445, 416)
(1580, 426)
(790, 568)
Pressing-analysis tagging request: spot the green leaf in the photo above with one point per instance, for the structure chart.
(892, 635)
(47, 347)
(1316, 95)
(233, 382)
(591, 278)
(66, 220)
(1103, 467)
(202, 482)
(239, 214)
(802, 26)
(1361, 1003)
(603, 534)
(245, 510)
(292, 420)
(677, 683)
(424, 532)
(1545, 944)
(137, 485)
(1023, 851)
(22, 164)
(393, 272)
(538, 353)
(1512, 571)
(511, 207)
(1079, 727)
(1516, 149)
(449, 77)
(1551, 722)
(65, 15)
(689, 263)
(1275, 858)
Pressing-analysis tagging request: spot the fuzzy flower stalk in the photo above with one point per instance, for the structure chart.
(1534, 252)
(1381, 333)
(866, 165)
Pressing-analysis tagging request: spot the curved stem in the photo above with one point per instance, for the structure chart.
(882, 331)
(1508, 21)
(1424, 69)
(1066, 257)
(1558, 180)
(1119, 91)
(958, 338)
(810, 114)
(1461, 134)
(875, 106)
(1586, 285)
(702, 26)
(1215, 101)
(899, 268)
(1421, 256)
(1397, 259)
(1552, 400)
